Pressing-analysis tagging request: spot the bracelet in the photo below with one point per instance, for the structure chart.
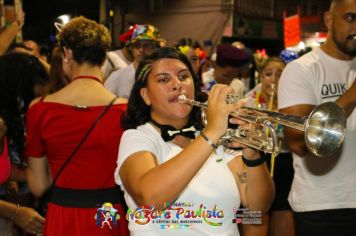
(254, 163)
(210, 142)
(13, 218)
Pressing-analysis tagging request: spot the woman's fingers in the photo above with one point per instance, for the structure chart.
(218, 110)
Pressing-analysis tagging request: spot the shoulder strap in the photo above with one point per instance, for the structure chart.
(83, 140)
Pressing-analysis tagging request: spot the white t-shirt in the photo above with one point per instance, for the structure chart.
(321, 183)
(112, 63)
(123, 60)
(213, 186)
(120, 82)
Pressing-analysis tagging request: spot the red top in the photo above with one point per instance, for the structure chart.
(5, 168)
(54, 130)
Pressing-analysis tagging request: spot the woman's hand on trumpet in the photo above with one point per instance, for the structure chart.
(247, 152)
(218, 111)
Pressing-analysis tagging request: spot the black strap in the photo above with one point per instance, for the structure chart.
(254, 163)
(85, 198)
(83, 140)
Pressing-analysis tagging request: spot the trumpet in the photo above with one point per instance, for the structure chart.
(324, 129)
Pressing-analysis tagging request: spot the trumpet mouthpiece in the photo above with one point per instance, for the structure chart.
(182, 98)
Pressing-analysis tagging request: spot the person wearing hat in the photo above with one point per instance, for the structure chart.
(229, 61)
(143, 41)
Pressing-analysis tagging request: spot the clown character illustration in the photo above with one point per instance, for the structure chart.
(105, 214)
(107, 219)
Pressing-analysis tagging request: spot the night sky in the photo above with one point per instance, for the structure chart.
(41, 14)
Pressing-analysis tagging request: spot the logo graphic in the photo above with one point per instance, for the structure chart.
(106, 216)
(248, 217)
(333, 90)
(179, 215)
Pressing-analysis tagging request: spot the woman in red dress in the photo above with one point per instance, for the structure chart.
(84, 192)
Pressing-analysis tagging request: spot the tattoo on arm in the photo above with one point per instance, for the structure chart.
(242, 177)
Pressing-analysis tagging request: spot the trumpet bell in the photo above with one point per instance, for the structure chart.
(325, 129)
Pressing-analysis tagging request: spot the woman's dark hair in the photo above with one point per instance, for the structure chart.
(19, 73)
(138, 113)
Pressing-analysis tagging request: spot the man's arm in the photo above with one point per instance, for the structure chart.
(348, 100)
(10, 32)
(295, 138)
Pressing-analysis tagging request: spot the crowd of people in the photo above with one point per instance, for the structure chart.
(96, 141)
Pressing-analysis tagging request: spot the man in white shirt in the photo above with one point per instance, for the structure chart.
(323, 193)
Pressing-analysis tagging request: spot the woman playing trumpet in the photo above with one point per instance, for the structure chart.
(184, 175)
